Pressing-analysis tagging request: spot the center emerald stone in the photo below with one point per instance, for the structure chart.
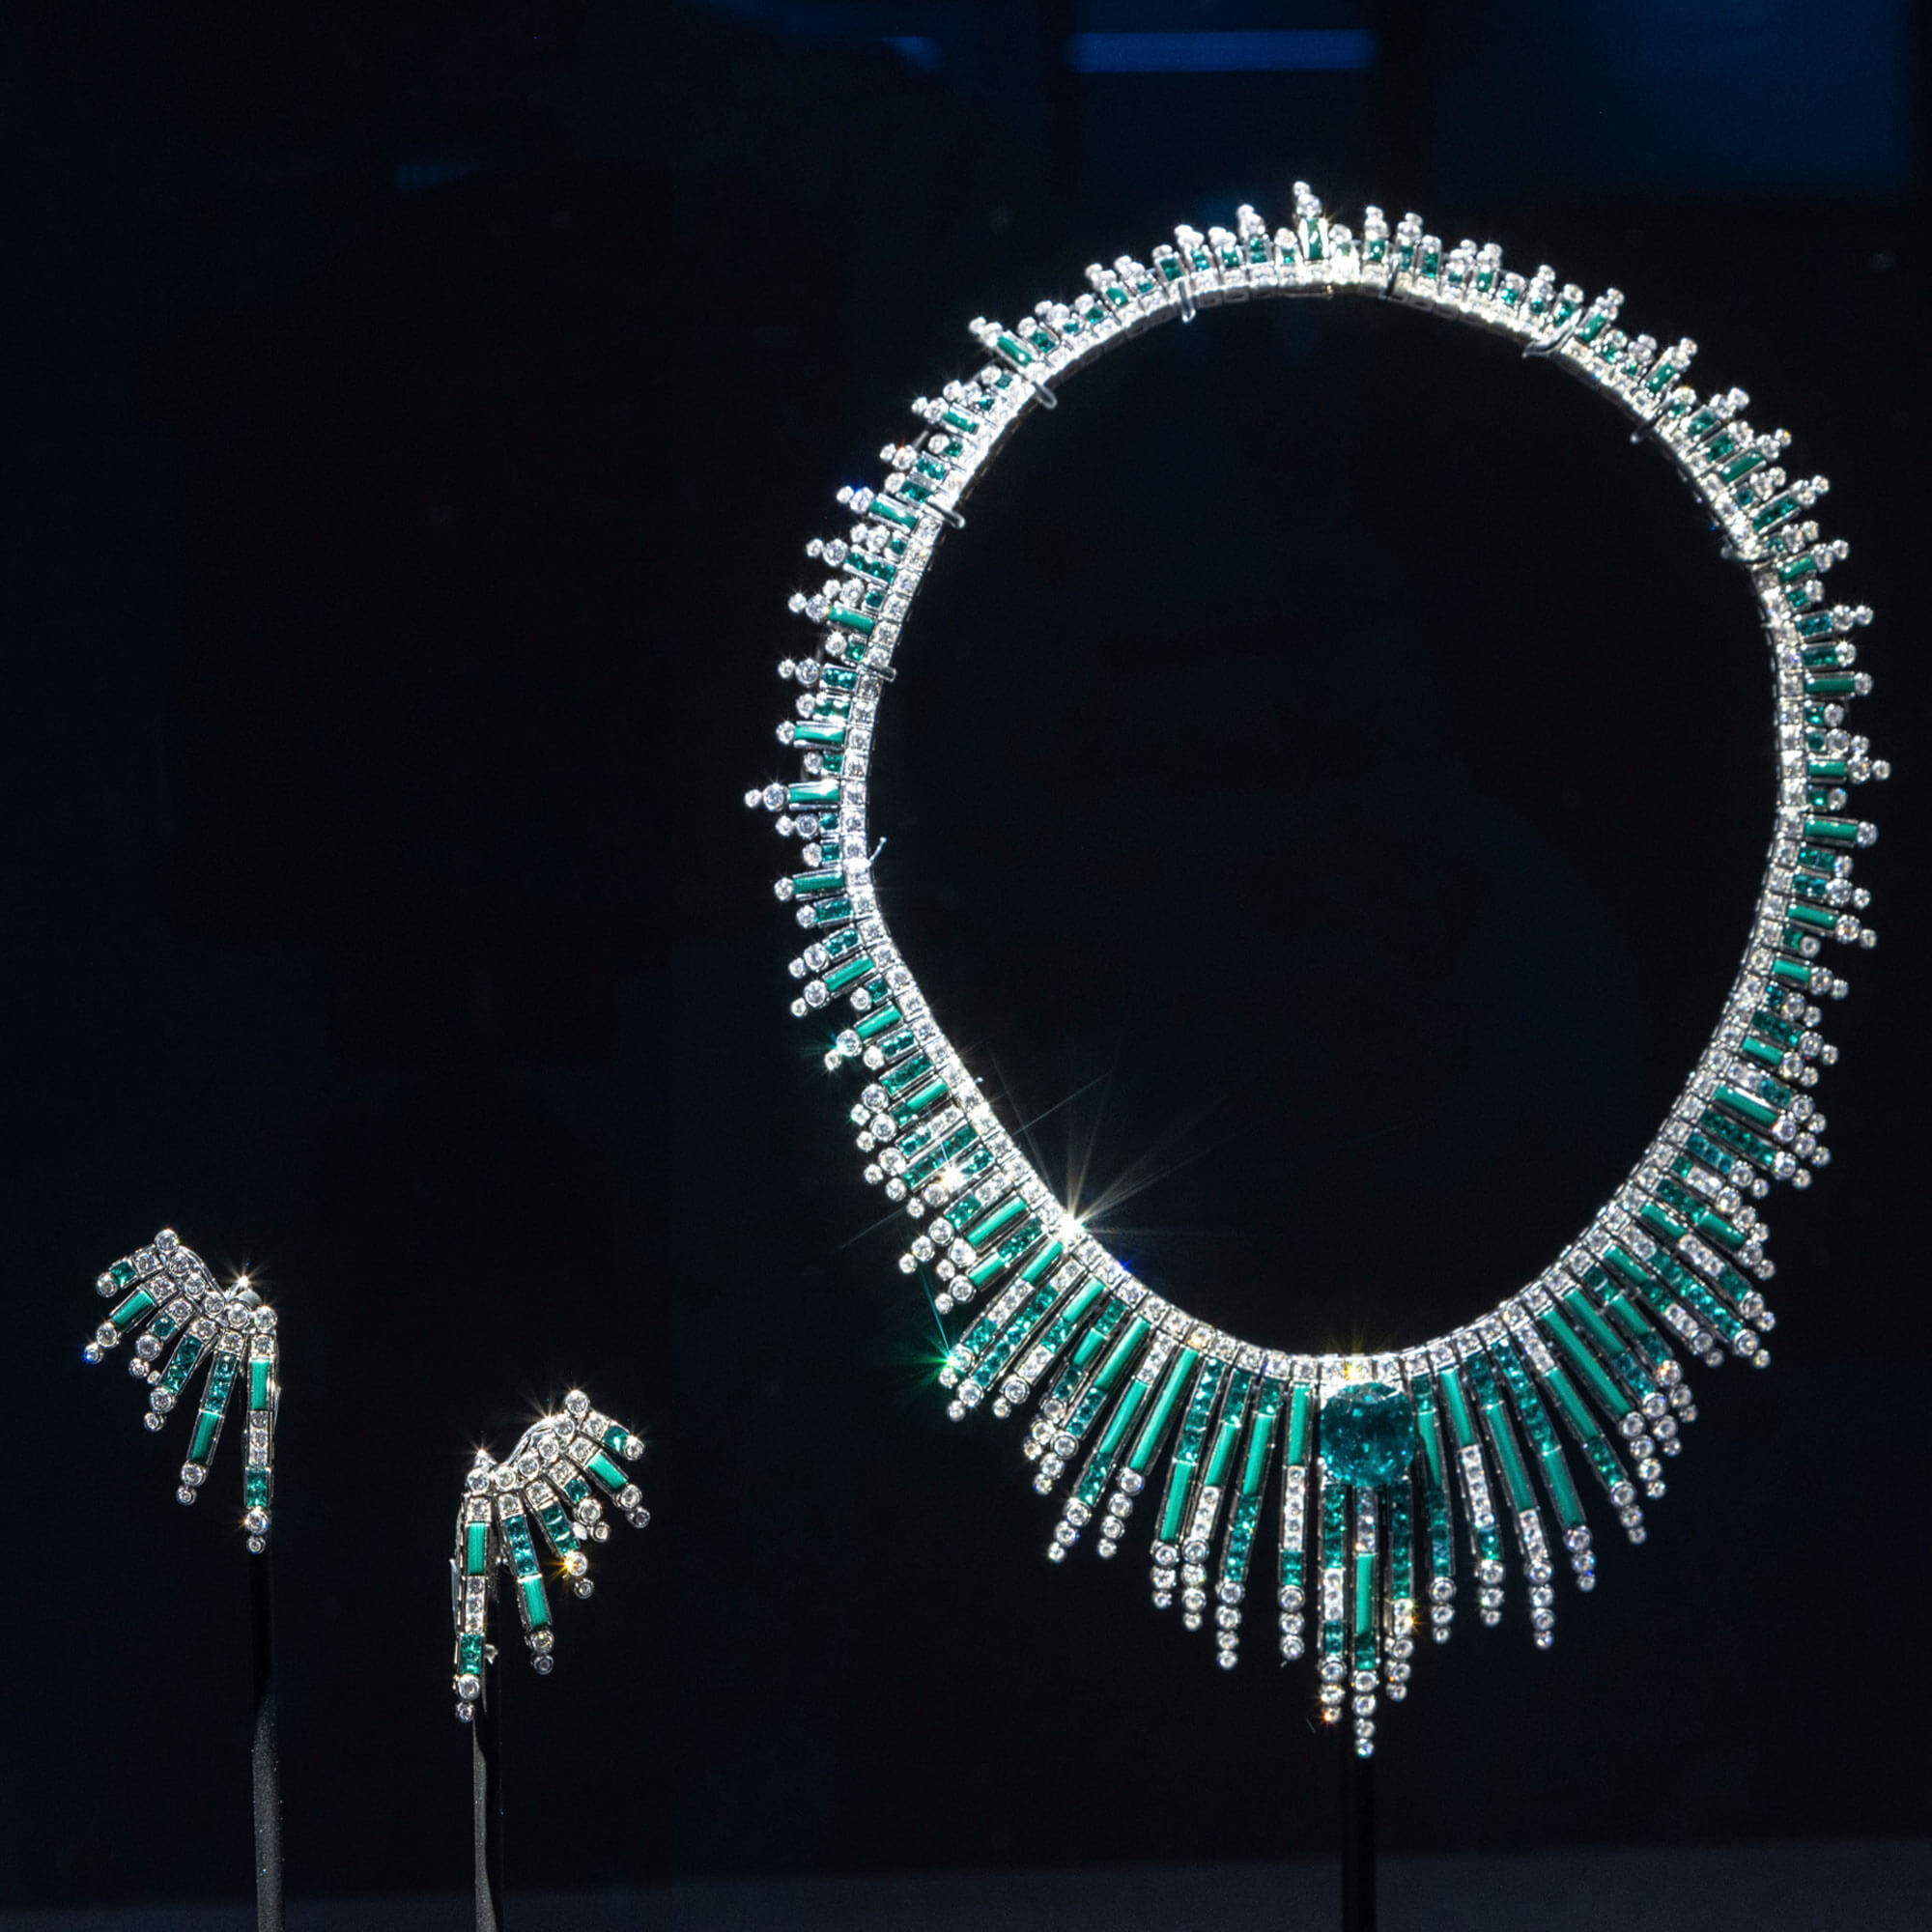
(1368, 1433)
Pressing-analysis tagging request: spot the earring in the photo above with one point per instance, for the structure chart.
(551, 1479)
(174, 1307)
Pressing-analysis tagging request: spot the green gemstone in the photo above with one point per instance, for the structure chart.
(908, 1073)
(1721, 1127)
(132, 1308)
(1709, 1152)
(1368, 1433)
(535, 1608)
(475, 1548)
(470, 1653)
(876, 1023)
(1834, 831)
(258, 1384)
(1121, 1420)
(1431, 1438)
(255, 1488)
(1261, 1435)
(122, 1273)
(997, 1222)
(1720, 1230)
(1040, 1263)
(523, 1552)
(1221, 1456)
(1162, 1413)
(953, 1148)
(181, 1364)
(1006, 1253)
(841, 977)
(1012, 1339)
(960, 1212)
(1113, 1311)
(1755, 1111)
(1300, 1401)
(910, 1110)
(1365, 1607)
(1455, 1407)
(1659, 1222)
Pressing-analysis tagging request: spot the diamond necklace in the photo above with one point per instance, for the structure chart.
(1363, 1463)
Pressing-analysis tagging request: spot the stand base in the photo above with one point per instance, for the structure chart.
(265, 1750)
(486, 1788)
(1358, 1841)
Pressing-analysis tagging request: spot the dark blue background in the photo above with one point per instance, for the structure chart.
(416, 418)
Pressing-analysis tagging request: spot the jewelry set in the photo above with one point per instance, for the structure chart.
(1361, 1496)
(187, 1325)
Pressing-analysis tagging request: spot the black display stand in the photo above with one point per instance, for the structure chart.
(486, 1785)
(265, 1750)
(1358, 1841)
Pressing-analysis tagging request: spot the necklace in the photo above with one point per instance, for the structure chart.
(1364, 1465)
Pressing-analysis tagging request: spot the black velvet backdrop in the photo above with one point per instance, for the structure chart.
(1325, 794)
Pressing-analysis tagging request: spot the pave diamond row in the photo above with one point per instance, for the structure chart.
(1134, 1399)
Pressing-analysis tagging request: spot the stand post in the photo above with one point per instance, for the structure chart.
(264, 1751)
(486, 1777)
(1358, 1841)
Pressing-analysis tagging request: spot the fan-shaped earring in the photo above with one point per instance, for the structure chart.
(184, 1322)
(547, 1488)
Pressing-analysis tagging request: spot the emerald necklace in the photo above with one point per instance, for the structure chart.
(1378, 1475)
